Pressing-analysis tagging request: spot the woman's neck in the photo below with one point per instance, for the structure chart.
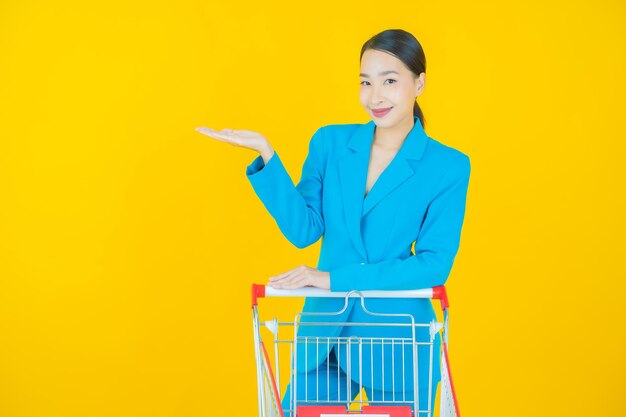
(392, 138)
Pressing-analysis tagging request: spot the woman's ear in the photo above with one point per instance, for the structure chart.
(420, 84)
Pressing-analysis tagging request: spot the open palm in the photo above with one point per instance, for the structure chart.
(243, 138)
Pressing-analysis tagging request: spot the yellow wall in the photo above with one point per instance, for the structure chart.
(129, 241)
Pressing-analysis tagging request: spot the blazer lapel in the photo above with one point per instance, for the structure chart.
(399, 169)
(353, 176)
(353, 166)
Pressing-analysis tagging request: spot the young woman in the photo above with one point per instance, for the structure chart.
(372, 191)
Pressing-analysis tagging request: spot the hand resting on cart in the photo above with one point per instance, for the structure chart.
(302, 276)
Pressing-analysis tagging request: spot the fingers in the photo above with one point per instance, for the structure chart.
(243, 138)
(295, 278)
(225, 135)
(278, 279)
(285, 277)
(204, 130)
(293, 283)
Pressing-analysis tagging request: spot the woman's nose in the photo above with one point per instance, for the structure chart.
(375, 98)
(375, 101)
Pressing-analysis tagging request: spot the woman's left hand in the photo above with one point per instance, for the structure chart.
(302, 276)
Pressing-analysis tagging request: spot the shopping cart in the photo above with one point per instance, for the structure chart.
(283, 348)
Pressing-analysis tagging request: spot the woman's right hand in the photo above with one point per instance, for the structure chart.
(242, 138)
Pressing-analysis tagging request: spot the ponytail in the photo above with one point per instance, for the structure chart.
(418, 112)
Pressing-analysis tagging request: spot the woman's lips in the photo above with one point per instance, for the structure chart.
(381, 112)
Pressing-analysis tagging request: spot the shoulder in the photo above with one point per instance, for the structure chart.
(340, 128)
(444, 153)
(446, 156)
(448, 165)
(327, 139)
(336, 135)
(338, 132)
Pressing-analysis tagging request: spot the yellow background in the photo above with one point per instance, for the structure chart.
(129, 241)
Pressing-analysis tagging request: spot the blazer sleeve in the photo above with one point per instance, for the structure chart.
(435, 247)
(297, 209)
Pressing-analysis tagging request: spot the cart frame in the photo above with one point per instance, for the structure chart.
(268, 381)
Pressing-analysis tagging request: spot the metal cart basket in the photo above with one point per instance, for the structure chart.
(283, 349)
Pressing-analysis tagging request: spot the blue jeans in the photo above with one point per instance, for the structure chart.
(337, 389)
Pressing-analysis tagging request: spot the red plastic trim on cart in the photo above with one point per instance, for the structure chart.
(274, 388)
(456, 405)
(258, 291)
(439, 293)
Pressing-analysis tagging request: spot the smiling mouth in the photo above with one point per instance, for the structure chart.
(381, 112)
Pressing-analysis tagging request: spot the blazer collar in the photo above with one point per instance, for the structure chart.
(353, 167)
(412, 148)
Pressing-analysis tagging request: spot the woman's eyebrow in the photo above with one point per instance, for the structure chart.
(380, 74)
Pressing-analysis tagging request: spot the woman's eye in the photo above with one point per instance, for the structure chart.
(388, 79)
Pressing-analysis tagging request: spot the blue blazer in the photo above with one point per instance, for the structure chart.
(366, 242)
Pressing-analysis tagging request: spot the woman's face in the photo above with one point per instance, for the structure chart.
(387, 83)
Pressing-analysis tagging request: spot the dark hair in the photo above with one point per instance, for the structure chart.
(406, 48)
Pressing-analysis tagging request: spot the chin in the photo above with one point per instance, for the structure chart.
(386, 121)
